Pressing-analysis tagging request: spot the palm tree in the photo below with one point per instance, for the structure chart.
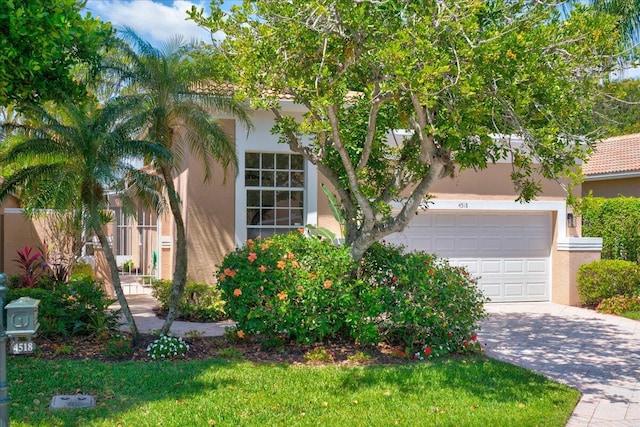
(68, 157)
(178, 116)
(629, 13)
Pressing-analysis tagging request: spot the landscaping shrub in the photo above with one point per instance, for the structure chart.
(607, 278)
(618, 305)
(77, 308)
(617, 221)
(424, 302)
(289, 287)
(82, 269)
(200, 303)
(303, 289)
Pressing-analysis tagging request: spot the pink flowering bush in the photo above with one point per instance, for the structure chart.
(293, 288)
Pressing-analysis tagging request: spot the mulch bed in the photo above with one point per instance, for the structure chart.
(214, 347)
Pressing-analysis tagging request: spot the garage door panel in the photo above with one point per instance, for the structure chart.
(514, 290)
(470, 221)
(537, 289)
(492, 290)
(468, 244)
(490, 267)
(514, 266)
(508, 251)
(444, 245)
(537, 266)
(444, 221)
(417, 242)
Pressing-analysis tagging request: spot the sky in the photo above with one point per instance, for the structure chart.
(155, 21)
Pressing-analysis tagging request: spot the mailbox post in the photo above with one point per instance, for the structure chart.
(20, 322)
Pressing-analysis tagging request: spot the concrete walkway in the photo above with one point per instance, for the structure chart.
(594, 353)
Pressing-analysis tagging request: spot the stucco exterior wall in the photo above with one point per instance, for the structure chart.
(492, 182)
(19, 231)
(629, 187)
(210, 216)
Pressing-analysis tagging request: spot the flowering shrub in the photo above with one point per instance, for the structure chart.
(289, 287)
(423, 302)
(618, 305)
(304, 289)
(167, 347)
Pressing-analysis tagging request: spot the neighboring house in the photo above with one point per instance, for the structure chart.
(614, 168)
(522, 252)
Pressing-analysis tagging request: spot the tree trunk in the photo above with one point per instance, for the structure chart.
(180, 270)
(115, 279)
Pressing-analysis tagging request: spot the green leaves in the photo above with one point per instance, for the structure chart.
(40, 43)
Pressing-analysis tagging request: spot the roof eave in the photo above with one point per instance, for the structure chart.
(613, 175)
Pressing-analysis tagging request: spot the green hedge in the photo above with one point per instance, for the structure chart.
(617, 221)
(604, 279)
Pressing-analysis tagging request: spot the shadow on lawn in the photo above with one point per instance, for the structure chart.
(478, 376)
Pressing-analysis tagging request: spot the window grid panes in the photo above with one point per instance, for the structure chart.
(275, 193)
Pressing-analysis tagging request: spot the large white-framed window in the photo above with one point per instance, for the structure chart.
(275, 187)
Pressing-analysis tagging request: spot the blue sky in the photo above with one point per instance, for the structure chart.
(156, 20)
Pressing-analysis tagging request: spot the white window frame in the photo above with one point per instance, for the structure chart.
(260, 139)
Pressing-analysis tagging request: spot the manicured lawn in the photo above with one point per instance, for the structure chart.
(453, 392)
(635, 315)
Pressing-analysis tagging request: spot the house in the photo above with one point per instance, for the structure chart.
(522, 252)
(614, 168)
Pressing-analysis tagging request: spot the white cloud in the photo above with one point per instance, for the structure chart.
(152, 20)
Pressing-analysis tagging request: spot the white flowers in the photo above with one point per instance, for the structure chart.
(167, 346)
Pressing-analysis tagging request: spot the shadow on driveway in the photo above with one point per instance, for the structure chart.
(589, 352)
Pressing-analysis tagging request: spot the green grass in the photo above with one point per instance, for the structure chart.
(635, 315)
(453, 392)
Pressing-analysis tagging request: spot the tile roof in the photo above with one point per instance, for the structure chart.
(619, 154)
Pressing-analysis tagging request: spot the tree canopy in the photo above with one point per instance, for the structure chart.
(462, 76)
(619, 113)
(40, 42)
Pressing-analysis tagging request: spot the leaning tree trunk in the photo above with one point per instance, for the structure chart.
(115, 279)
(180, 270)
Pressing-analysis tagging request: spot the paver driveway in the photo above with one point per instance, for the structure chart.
(594, 353)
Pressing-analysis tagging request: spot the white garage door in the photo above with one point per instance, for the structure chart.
(509, 251)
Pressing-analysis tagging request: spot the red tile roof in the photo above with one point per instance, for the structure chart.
(614, 155)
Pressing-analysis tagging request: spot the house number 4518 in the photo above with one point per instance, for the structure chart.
(463, 205)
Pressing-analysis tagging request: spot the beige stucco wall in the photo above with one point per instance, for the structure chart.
(494, 182)
(629, 187)
(18, 232)
(210, 217)
(565, 265)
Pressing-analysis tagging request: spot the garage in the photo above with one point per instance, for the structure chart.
(509, 251)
